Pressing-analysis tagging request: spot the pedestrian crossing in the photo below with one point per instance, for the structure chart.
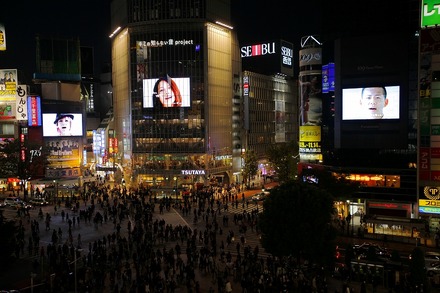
(249, 208)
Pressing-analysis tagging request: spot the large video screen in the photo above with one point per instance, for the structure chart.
(370, 103)
(166, 92)
(62, 124)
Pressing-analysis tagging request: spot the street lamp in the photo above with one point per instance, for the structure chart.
(175, 181)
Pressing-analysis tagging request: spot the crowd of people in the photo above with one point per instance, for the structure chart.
(143, 253)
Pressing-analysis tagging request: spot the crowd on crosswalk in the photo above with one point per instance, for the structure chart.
(144, 253)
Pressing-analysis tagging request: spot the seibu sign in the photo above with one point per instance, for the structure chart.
(258, 50)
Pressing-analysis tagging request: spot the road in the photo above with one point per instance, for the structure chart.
(19, 274)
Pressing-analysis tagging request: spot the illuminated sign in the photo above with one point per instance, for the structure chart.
(246, 86)
(286, 56)
(163, 43)
(311, 56)
(34, 111)
(430, 210)
(429, 203)
(258, 50)
(430, 13)
(8, 84)
(193, 172)
(328, 78)
(310, 133)
(21, 103)
(2, 38)
(432, 193)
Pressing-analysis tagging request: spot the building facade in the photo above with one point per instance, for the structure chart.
(186, 45)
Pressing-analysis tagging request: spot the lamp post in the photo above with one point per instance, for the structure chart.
(175, 181)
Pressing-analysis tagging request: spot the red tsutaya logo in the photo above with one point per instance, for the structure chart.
(258, 50)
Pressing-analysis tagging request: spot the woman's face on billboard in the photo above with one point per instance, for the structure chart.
(165, 94)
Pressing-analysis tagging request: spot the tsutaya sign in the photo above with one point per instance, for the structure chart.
(193, 172)
(430, 13)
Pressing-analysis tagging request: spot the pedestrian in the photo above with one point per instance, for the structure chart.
(228, 286)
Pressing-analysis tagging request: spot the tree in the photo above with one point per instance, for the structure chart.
(297, 221)
(11, 163)
(284, 158)
(250, 165)
(8, 230)
(334, 183)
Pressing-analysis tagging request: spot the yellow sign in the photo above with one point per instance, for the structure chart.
(2, 38)
(429, 203)
(310, 133)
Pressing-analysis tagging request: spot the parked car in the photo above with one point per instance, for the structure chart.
(12, 201)
(365, 249)
(433, 268)
(39, 202)
(2, 204)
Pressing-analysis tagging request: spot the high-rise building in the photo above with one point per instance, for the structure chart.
(174, 64)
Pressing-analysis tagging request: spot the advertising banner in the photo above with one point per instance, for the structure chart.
(21, 101)
(8, 85)
(2, 37)
(430, 13)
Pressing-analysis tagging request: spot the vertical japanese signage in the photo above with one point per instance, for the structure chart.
(34, 111)
(21, 103)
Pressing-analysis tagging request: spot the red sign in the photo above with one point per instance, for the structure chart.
(435, 175)
(424, 159)
(435, 153)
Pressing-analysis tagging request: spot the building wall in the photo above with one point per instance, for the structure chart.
(121, 97)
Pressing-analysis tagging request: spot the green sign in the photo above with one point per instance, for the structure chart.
(430, 13)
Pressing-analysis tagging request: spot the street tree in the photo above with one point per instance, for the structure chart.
(12, 161)
(250, 165)
(336, 184)
(296, 221)
(283, 158)
(8, 230)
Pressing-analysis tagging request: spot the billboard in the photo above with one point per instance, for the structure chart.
(268, 57)
(430, 13)
(8, 84)
(62, 124)
(166, 92)
(376, 102)
(2, 37)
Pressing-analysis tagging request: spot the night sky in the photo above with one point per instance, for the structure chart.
(89, 20)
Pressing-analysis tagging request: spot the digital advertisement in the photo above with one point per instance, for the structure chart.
(372, 102)
(166, 92)
(63, 124)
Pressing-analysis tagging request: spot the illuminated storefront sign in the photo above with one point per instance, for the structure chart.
(193, 172)
(310, 56)
(21, 102)
(258, 50)
(429, 203)
(34, 111)
(2, 37)
(310, 133)
(430, 13)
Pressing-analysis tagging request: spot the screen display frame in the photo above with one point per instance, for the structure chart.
(50, 127)
(182, 83)
(354, 109)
